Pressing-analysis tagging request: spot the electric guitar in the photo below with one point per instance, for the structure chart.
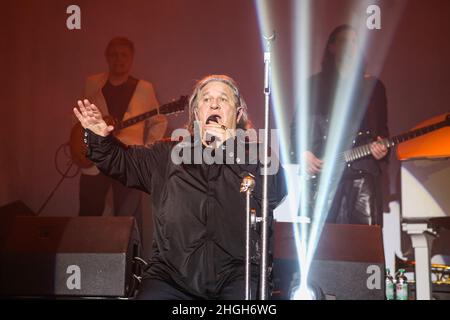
(78, 148)
(363, 151)
(346, 158)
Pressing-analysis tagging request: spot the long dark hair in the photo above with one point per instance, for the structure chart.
(328, 59)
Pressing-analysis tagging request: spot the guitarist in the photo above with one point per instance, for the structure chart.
(358, 197)
(122, 96)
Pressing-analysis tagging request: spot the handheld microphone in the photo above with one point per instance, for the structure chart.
(210, 139)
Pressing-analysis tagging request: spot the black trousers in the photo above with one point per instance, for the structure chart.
(93, 190)
(356, 201)
(153, 289)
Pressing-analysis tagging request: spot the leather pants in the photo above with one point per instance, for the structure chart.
(356, 202)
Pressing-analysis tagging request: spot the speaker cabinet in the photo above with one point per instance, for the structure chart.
(81, 256)
(348, 263)
(8, 212)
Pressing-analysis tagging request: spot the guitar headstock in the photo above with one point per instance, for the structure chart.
(174, 106)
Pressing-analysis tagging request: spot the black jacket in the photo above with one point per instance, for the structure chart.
(368, 113)
(198, 210)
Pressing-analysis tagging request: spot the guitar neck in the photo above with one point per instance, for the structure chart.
(168, 108)
(364, 150)
(417, 133)
(132, 121)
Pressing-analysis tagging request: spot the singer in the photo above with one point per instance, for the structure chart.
(198, 249)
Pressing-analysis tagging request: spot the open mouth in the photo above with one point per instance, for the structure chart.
(213, 118)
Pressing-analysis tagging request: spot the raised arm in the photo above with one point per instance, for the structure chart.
(91, 118)
(133, 166)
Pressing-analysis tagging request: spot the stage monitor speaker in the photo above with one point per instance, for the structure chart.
(62, 256)
(8, 212)
(348, 263)
(16, 208)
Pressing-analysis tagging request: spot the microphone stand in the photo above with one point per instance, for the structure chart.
(247, 186)
(263, 292)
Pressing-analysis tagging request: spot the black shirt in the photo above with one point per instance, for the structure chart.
(198, 210)
(118, 97)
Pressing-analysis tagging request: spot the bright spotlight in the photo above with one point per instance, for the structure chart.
(304, 291)
(310, 219)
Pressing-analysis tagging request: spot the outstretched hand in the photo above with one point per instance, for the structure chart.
(91, 118)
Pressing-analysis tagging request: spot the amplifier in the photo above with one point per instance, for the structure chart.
(60, 256)
(348, 263)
